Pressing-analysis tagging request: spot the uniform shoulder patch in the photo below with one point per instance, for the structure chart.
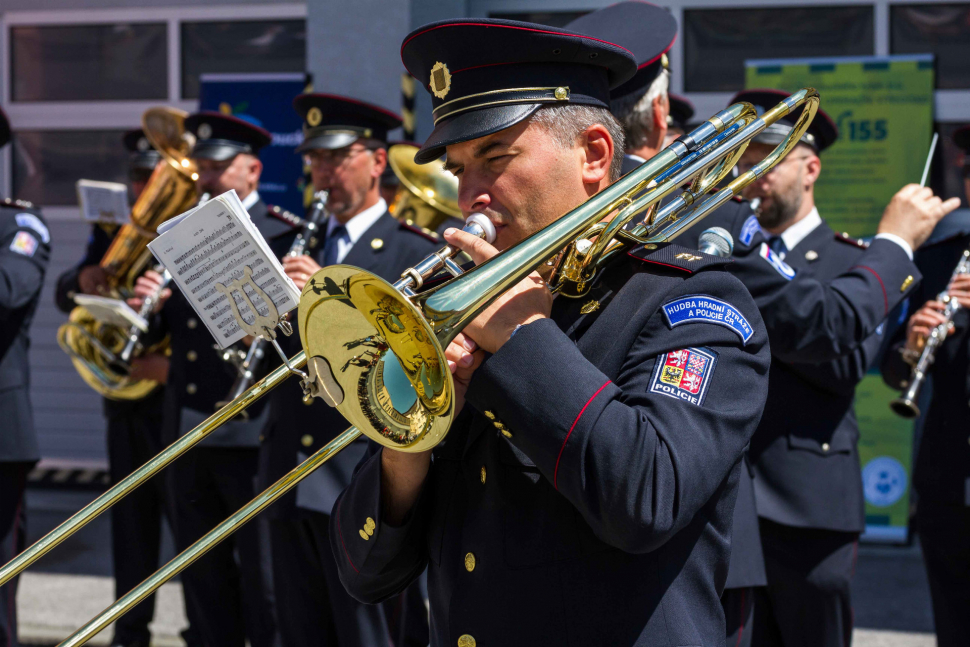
(677, 257)
(288, 217)
(749, 229)
(421, 231)
(30, 221)
(684, 374)
(700, 308)
(24, 243)
(846, 238)
(775, 261)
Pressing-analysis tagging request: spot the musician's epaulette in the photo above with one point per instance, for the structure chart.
(421, 231)
(677, 257)
(20, 204)
(288, 217)
(846, 238)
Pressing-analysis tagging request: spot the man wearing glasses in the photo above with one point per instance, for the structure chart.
(345, 147)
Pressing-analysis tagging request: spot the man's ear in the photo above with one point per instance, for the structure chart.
(661, 108)
(598, 149)
(380, 162)
(813, 167)
(255, 169)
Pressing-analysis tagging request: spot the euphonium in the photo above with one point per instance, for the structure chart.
(428, 195)
(101, 351)
(376, 349)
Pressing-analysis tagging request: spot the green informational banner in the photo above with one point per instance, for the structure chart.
(883, 107)
(886, 454)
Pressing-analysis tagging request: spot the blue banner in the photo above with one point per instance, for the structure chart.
(267, 101)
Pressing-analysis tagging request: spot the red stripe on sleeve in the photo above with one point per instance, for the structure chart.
(555, 473)
(885, 299)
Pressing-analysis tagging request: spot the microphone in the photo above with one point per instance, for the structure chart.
(716, 241)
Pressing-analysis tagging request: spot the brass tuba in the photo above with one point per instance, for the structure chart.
(101, 350)
(428, 195)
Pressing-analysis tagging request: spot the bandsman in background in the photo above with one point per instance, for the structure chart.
(229, 590)
(598, 512)
(134, 426)
(942, 473)
(24, 255)
(345, 147)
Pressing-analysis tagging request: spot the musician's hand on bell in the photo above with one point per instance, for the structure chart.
(960, 290)
(922, 323)
(913, 213)
(147, 285)
(527, 301)
(464, 357)
(300, 269)
(92, 280)
(153, 366)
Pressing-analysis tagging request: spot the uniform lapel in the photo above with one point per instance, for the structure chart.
(816, 241)
(363, 253)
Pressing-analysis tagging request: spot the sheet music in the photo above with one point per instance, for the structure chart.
(103, 202)
(212, 245)
(113, 311)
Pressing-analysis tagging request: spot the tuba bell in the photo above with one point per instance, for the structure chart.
(101, 350)
(428, 195)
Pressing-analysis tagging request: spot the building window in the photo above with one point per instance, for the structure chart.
(717, 41)
(548, 18)
(941, 29)
(240, 46)
(127, 61)
(48, 163)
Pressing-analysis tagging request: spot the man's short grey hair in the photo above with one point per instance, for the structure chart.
(635, 111)
(567, 122)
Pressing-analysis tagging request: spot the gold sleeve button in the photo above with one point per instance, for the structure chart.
(466, 641)
(470, 562)
(483, 475)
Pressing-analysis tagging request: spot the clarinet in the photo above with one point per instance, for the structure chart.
(249, 363)
(121, 363)
(905, 405)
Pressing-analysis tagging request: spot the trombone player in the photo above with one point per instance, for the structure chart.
(585, 490)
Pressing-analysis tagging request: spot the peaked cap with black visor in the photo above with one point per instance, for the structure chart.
(141, 155)
(486, 75)
(331, 122)
(821, 134)
(645, 29)
(221, 137)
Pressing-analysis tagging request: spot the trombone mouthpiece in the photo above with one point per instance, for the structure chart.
(479, 225)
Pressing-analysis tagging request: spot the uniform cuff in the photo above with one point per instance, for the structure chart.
(899, 241)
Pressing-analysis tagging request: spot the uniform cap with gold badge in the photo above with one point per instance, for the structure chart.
(821, 134)
(221, 137)
(645, 29)
(141, 155)
(4, 129)
(331, 121)
(486, 75)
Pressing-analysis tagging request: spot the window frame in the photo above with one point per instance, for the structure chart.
(110, 115)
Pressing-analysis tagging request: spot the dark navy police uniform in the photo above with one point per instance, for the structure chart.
(313, 607)
(942, 472)
(24, 255)
(585, 492)
(134, 436)
(228, 592)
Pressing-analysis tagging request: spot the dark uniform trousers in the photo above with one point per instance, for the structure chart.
(24, 256)
(228, 592)
(313, 606)
(942, 473)
(134, 437)
(584, 494)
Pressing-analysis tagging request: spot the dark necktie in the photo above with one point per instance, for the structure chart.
(331, 248)
(778, 246)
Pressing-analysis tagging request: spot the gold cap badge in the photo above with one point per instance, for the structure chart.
(440, 80)
(314, 117)
(205, 131)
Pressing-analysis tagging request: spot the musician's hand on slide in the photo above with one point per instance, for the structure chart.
(960, 290)
(146, 285)
(922, 323)
(464, 357)
(300, 269)
(913, 213)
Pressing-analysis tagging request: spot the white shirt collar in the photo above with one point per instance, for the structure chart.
(250, 200)
(797, 232)
(636, 158)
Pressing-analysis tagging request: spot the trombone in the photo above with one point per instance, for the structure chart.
(383, 344)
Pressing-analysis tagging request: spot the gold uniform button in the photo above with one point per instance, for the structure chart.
(908, 281)
(490, 415)
(483, 475)
(191, 323)
(307, 440)
(825, 447)
(376, 244)
(506, 433)
(466, 641)
(262, 438)
(470, 562)
(192, 355)
(811, 255)
(191, 389)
